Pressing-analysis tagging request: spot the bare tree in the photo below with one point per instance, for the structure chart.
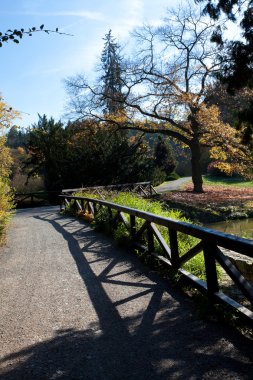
(165, 87)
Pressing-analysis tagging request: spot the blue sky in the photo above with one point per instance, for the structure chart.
(32, 73)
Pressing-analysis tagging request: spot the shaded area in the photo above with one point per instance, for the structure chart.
(161, 339)
(36, 199)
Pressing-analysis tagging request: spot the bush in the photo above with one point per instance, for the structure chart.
(6, 204)
(172, 176)
(158, 176)
(19, 183)
(214, 171)
(103, 219)
(195, 265)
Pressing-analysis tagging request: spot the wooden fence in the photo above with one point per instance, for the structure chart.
(144, 189)
(36, 198)
(210, 243)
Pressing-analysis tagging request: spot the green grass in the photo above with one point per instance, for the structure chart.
(102, 222)
(120, 233)
(227, 181)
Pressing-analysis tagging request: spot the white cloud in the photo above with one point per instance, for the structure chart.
(132, 13)
(97, 16)
(86, 14)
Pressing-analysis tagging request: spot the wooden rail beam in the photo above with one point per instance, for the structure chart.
(209, 242)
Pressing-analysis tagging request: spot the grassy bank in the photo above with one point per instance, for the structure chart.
(236, 182)
(223, 199)
(102, 221)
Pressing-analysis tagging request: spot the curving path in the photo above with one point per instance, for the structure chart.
(177, 184)
(75, 306)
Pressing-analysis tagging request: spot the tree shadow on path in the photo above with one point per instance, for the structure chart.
(168, 340)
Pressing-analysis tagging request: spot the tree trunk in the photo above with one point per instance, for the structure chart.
(196, 167)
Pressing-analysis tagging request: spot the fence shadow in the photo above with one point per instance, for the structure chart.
(165, 341)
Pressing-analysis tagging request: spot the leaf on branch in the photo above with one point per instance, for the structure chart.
(57, 29)
(16, 41)
(33, 29)
(42, 26)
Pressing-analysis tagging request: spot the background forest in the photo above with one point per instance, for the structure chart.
(177, 105)
(53, 156)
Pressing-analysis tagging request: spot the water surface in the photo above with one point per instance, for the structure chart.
(239, 227)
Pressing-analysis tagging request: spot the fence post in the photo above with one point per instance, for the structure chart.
(210, 267)
(174, 248)
(95, 209)
(151, 246)
(110, 217)
(132, 227)
(61, 204)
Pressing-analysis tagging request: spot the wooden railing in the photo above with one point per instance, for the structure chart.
(210, 243)
(36, 198)
(144, 189)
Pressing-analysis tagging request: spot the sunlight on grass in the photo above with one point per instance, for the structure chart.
(227, 181)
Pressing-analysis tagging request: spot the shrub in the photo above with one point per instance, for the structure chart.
(159, 176)
(215, 171)
(195, 265)
(6, 204)
(172, 176)
(103, 219)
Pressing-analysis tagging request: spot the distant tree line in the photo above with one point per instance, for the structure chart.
(179, 93)
(86, 154)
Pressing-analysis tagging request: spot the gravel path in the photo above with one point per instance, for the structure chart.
(75, 306)
(172, 185)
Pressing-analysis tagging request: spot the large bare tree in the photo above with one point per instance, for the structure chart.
(164, 90)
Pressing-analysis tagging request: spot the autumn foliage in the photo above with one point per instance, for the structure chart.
(6, 203)
(164, 89)
(226, 150)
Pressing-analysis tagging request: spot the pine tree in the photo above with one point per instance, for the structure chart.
(111, 78)
(164, 158)
(238, 67)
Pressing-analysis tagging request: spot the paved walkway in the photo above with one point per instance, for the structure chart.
(75, 306)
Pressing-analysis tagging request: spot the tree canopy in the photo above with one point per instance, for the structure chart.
(85, 153)
(238, 68)
(7, 116)
(164, 89)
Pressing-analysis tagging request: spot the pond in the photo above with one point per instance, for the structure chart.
(239, 227)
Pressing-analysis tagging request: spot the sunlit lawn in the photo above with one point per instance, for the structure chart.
(227, 181)
(218, 193)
